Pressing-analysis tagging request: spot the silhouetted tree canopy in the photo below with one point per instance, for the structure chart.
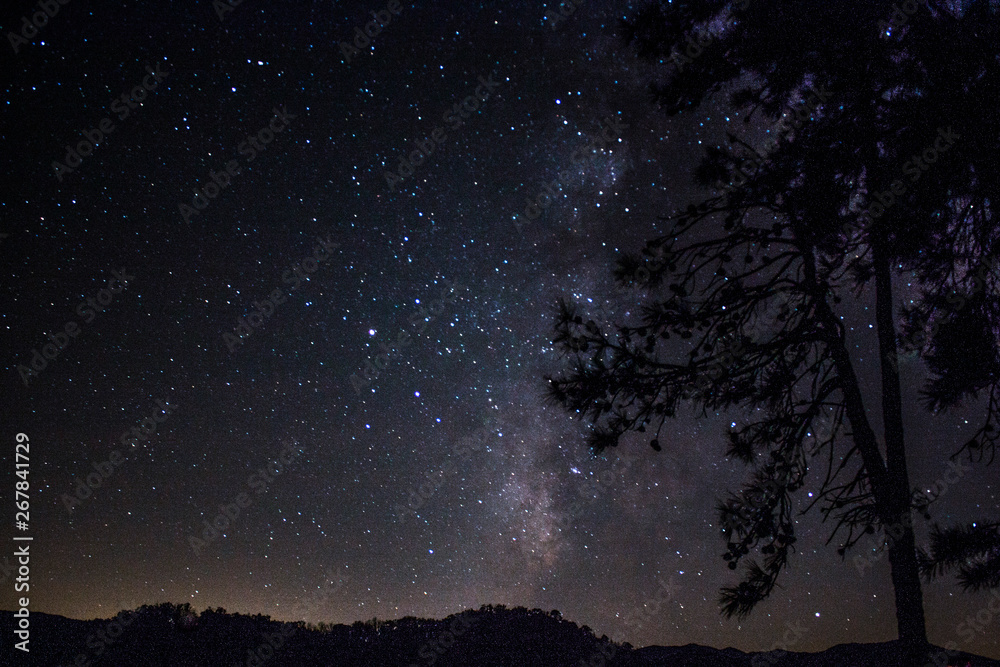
(876, 178)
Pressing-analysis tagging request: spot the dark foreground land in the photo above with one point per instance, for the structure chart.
(172, 635)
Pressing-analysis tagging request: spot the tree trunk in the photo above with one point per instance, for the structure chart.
(906, 583)
(897, 521)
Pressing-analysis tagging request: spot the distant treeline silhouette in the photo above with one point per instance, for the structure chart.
(171, 634)
(492, 636)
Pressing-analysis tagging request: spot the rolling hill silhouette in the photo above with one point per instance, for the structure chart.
(493, 635)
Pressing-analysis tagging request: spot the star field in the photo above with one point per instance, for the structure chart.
(530, 517)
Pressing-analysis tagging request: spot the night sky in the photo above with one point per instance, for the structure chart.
(364, 257)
